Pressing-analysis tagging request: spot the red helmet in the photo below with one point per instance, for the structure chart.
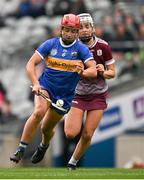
(71, 20)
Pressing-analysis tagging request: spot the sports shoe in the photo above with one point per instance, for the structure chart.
(71, 167)
(17, 156)
(38, 154)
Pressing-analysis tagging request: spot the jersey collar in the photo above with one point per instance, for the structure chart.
(94, 43)
(62, 44)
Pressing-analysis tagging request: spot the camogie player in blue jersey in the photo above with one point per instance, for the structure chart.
(66, 59)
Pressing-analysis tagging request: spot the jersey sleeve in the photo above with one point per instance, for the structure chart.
(84, 53)
(44, 49)
(108, 55)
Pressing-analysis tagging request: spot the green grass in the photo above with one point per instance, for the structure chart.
(63, 173)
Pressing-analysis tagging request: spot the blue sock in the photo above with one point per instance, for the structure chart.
(22, 146)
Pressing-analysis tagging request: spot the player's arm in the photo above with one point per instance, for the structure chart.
(107, 73)
(110, 71)
(90, 71)
(31, 71)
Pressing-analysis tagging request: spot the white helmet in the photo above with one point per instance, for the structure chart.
(86, 17)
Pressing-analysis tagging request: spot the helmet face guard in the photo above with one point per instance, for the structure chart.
(86, 18)
(70, 20)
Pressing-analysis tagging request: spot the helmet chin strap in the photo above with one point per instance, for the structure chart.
(86, 38)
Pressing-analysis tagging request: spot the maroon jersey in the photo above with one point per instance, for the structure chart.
(102, 55)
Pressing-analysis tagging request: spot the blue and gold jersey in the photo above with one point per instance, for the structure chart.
(59, 77)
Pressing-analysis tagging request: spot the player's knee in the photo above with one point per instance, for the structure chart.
(87, 136)
(70, 134)
(38, 113)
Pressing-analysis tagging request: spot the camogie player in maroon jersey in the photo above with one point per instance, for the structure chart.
(91, 94)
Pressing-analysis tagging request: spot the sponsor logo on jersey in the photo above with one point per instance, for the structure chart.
(74, 54)
(53, 52)
(62, 64)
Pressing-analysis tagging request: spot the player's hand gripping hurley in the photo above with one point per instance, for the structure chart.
(49, 100)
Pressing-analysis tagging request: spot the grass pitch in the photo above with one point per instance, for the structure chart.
(63, 173)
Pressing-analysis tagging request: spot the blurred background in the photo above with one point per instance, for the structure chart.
(24, 24)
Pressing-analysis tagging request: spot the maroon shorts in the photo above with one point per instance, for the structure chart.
(90, 102)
